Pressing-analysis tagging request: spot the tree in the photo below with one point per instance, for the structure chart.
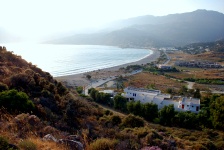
(150, 111)
(99, 97)
(183, 90)
(138, 109)
(169, 90)
(120, 103)
(187, 120)
(217, 112)
(79, 89)
(166, 115)
(197, 94)
(93, 93)
(204, 118)
(130, 106)
(88, 76)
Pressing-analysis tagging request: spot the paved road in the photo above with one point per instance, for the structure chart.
(168, 59)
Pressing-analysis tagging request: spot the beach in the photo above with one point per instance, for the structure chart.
(104, 75)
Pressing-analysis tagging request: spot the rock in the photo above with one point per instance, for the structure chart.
(73, 137)
(49, 137)
(70, 141)
(74, 145)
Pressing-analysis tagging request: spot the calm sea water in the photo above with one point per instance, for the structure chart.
(60, 60)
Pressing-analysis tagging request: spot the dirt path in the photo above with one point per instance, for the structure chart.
(190, 84)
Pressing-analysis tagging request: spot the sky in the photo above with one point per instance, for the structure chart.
(37, 18)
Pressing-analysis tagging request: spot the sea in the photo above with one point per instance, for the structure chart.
(62, 60)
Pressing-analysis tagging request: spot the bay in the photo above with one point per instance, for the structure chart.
(62, 60)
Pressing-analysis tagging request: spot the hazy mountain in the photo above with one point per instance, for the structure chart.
(170, 30)
(5, 36)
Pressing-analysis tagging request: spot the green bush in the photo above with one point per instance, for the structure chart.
(103, 144)
(132, 121)
(79, 89)
(4, 145)
(14, 101)
(27, 145)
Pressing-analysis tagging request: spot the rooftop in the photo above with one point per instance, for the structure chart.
(177, 98)
(191, 100)
(107, 91)
(144, 90)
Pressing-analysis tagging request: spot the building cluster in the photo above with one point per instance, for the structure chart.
(164, 67)
(198, 64)
(155, 96)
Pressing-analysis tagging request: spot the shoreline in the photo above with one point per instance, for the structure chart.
(80, 79)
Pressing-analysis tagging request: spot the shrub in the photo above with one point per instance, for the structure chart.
(3, 143)
(103, 144)
(22, 82)
(16, 101)
(27, 145)
(107, 112)
(116, 120)
(120, 103)
(46, 93)
(3, 87)
(199, 146)
(61, 89)
(132, 121)
(79, 89)
(219, 144)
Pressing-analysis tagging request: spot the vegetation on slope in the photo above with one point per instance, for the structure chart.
(61, 112)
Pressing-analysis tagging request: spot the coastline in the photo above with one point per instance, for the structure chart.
(80, 79)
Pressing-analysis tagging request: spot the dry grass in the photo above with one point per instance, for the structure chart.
(146, 79)
(208, 56)
(47, 145)
(198, 73)
(11, 131)
(40, 144)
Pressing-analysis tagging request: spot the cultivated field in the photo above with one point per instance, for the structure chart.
(150, 80)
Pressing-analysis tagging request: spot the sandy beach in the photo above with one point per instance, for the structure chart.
(102, 74)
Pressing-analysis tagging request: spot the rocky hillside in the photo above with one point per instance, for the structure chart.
(38, 112)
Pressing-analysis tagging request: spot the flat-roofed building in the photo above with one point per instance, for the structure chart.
(156, 97)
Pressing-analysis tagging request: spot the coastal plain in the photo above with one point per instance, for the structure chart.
(102, 74)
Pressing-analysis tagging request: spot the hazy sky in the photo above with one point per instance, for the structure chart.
(35, 18)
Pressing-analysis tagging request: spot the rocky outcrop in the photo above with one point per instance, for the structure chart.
(72, 141)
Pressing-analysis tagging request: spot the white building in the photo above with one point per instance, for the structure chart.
(111, 92)
(165, 67)
(155, 96)
(189, 104)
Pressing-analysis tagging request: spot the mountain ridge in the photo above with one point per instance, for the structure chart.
(170, 30)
